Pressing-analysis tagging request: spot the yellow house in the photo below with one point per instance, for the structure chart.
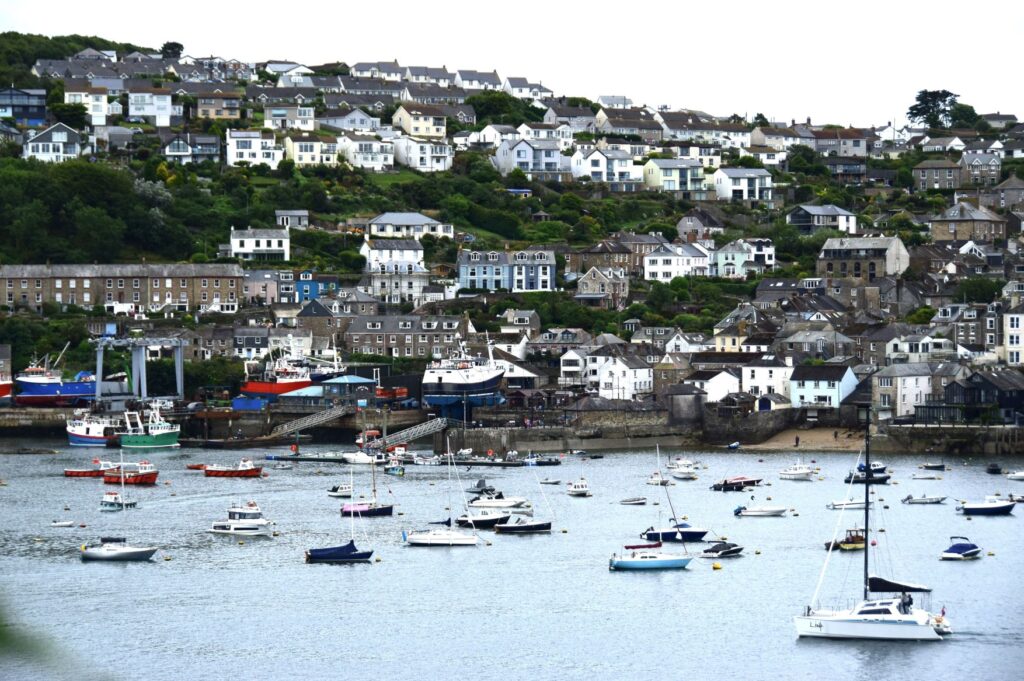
(219, 105)
(311, 149)
(420, 120)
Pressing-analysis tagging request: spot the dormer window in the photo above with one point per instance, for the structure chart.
(521, 257)
(492, 257)
(405, 325)
(450, 325)
(373, 325)
(474, 256)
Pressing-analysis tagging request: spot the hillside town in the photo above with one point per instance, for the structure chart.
(792, 272)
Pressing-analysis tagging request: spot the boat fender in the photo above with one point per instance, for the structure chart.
(490, 452)
(716, 566)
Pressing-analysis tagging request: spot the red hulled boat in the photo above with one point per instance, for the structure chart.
(141, 473)
(245, 469)
(102, 468)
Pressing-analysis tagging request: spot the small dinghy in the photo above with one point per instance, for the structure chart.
(634, 501)
(722, 549)
(62, 523)
(550, 481)
(1015, 475)
(928, 466)
(962, 549)
(911, 499)
(925, 476)
(282, 466)
(195, 466)
(759, 511)
(850, 505)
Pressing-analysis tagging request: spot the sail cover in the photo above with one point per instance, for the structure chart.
(882, 585)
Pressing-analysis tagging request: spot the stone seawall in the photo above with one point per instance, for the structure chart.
(558, 439)
(36, 421)
(955, 440)
(725, 426)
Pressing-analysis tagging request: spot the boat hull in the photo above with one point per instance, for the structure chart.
(140, 441)
(366, 511)
(233, 473)
(337, 556)
(690, 534)
(828, 626)
(59, 394)
(84, 472)
(270, 390)
(523, 528)
(987, 509)
(120, 554)
(676, 563)
(114, 478)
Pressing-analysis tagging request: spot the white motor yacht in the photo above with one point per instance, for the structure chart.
(798, 471)
(578, 488)
(244, 520)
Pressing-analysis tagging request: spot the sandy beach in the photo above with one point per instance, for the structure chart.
(813, 440)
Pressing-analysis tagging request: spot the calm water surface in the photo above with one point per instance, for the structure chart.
(541, 607)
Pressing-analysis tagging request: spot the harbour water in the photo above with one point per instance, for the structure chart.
(537, 607)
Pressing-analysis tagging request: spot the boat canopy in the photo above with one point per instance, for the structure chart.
(112, 540)
(882, 585)
(334, 552)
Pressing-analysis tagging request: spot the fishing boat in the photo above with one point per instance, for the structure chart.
(243, 469)
(722, 549)
(45, 386)
(339, 554)
(93, 430)
(847, 504)
(101, 467)
(112, 501)
(923, 499)
(991, 506)
(862, 478)
(368, 509)
(578, 488)
(457, 384)
(343, 490)
(281, 375)
(246, 520)
(393, 468)
(6, 386)
(877, 467)
(141, 473)
(346, 553)
(155, 432)
(116, 549)
(853, 541)
(634, 501)
(759, 511)
(961, 549)
(735, 484)
(519, 525)
(797, 471)
(483, 519)
(873, 617)
(646, 559)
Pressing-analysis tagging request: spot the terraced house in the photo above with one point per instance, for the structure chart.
(427, 336)
(516, 271)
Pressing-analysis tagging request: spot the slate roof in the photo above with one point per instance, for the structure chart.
(810, 372)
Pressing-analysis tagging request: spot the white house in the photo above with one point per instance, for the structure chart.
(378, 252)
(605, 165)
(1013, 332)
(530, 156)
(153, 104)
(625, 378)
(898, 388)
(743, 184)
(383, 70)
(572, 365)
(493, 135)
(820, 386)
(674, 174)
(521, 88)
(253, 147)
(260, 244)
(367, 151)
(688, 343)
(547, 131)
(737, 259)
(669, 261)
(289, 118)
(717, 383)
(767, 375)
(768, 156)
(408, 226)
(428, 156)
(94, 99)
(56, 144)
(477, 80)
(311, 149)
(350, 119)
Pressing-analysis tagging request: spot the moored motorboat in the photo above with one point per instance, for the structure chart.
(853, 541)
(877, 468)
(282, 467)
(195, 466)
(634, 501)
(343, 490)
(364, 509)
(685, 471)
(116, 549)
(481, 487)
(62, 523)
(925, 476)
(923, 499)
(722, 549)
(735, 484)
(112, 501)
(929, 466)
(483, 519)
(646, 559)
(418, 460)
(994, 469)
(657, 478)
(759, 511)
(990, 506)
(550, 481)
(578, 488)
(520, 525)
(154, 433)
(797, 471)
(243, 469)
(499, 500)
(141, 473)
(862, 478)
(850, 505)
(1015, 475)
(93, 430)
(961, 549)
(244, 520)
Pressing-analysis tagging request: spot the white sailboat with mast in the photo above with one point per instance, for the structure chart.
(884, 618)
(117, 548)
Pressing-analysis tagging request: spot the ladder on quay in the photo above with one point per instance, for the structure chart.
(415, 432)
(313, 420)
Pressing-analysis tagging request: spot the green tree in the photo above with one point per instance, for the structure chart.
(963, 116)
(932, 107)
(171, 50)
(69, 114)
(978, 290)
(921, 315)
(761, 121)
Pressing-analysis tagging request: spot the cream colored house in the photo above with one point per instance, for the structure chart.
(420, 120)
(311, 149)
(94, 99)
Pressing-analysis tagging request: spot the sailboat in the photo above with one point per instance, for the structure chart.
(117, 549)
(442, 533)
(657, 478)
(649, 557)
(372, 508)
(886, 618)
(347, 553)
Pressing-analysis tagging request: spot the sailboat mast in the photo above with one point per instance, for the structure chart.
(867, 500)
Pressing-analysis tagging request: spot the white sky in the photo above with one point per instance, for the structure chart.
(857, 63)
